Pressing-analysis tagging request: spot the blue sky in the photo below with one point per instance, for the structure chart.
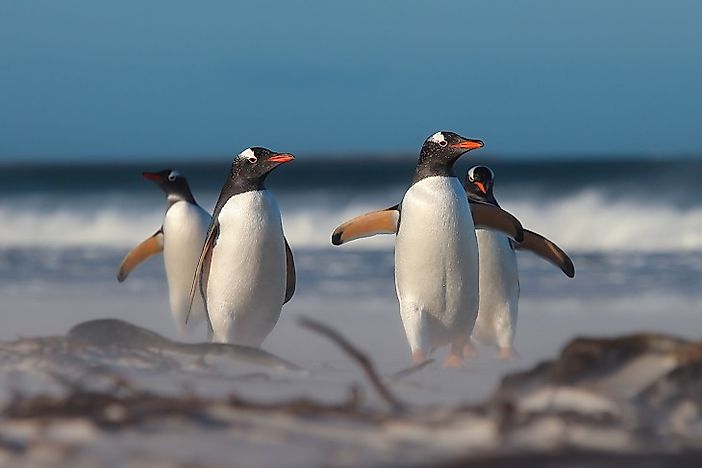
(164, 78)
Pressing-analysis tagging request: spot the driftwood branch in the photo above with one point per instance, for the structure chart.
(357, 355)
(397, 376)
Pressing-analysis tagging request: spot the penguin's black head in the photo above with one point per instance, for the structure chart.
(479, 184)
(440, 151)
(254, 164)
(448, 146)
(171, 182)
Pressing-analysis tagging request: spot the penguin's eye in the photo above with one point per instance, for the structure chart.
(172, 177)
(443, 143)
(252, 159)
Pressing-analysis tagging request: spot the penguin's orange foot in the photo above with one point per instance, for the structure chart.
(418, 356)
(469, 351)
(507, 354)
(454, 361)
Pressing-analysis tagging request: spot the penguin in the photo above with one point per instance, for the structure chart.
(246, 270)
(436, 251)
(180, 238)
(499, 275)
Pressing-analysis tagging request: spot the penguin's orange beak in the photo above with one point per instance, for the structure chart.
(153, 176)
(480, 186)
(282, 158)
(468, 144)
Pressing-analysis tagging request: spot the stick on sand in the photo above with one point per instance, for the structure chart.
(357, 355)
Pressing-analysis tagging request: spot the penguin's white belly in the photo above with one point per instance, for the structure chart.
(499, 290)
(436, 263)
(246, 284)
(184, 231)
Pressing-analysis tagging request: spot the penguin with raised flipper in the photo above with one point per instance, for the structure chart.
(436, 252)
(499, 275)
(180, 238)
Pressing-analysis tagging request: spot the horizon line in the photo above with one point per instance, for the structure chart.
(129, 159)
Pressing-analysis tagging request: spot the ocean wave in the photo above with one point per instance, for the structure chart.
(107, 227)
(590, 221)
(585, 222)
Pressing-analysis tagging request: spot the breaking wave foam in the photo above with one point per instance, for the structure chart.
(588, 221)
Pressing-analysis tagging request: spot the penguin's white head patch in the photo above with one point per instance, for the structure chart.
(173, 175)
(439, 139)
(474, 169)
(249, 155)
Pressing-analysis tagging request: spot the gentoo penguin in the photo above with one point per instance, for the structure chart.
(180, 238)
(436, 252)
(246, 270)
(499, 276)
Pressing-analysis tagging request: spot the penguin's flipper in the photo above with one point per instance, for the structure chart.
(290, 278)
(548, 250)
(493, 217)
(141, 252)
(369, 224)
(204, 281)
(202, 264)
